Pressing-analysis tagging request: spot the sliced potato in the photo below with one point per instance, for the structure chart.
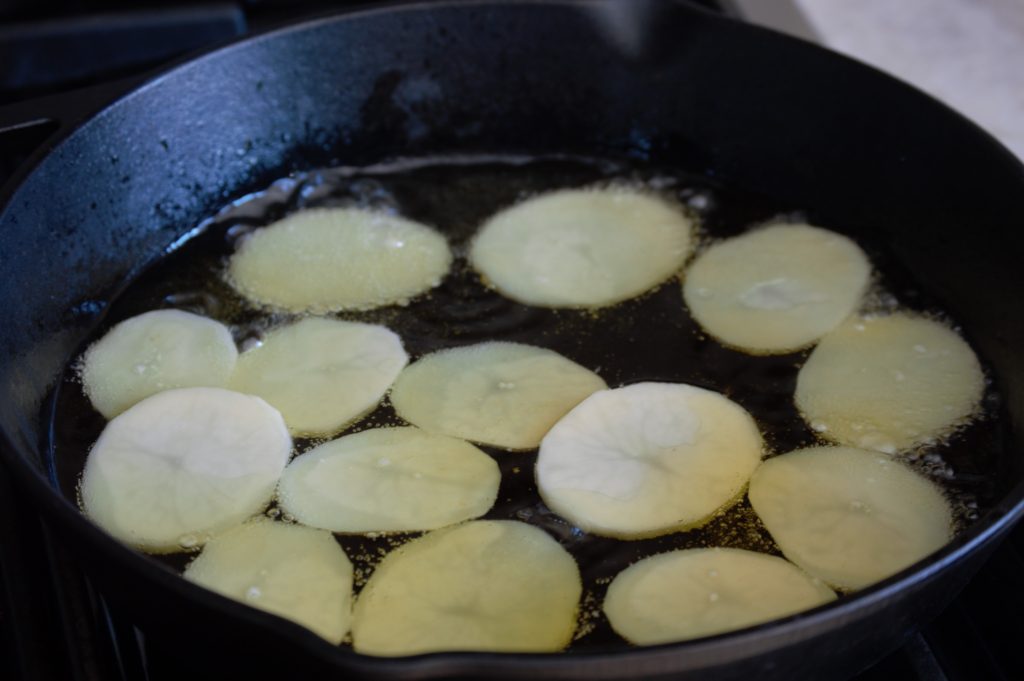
(296, 572)
(488, 585)
(156, 351)
(849, 516)
(322, 374)
(182, 465)
(691, 593)
(502, 394)
(647, 459)
(582, 247)
(389, 480)
(778, 288)
(327, 259)
(889, 383)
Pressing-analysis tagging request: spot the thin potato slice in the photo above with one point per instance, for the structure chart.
(502, 394)
(692, 593)
(849, 516)
(296, 572)
(389, 480)
(647, 459)
(889, 383)
(488, 585)
(328, 259)
(322, 374)
(156, 351)
(182, 465)
(582, 248)
(778, 288)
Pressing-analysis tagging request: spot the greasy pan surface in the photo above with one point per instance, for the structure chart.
(862, 153)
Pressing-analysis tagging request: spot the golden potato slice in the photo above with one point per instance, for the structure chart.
(488, 585)
(296, 572)
(182, 465)
(778, 288)
(849, 516)
(156, 351)
(502, 394)
(322, 374)
(647, 459)
(889, 383)
(389, 480)
(327, 259)
(582, 247)
(691, 593)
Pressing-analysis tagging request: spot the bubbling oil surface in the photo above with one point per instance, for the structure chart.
(649, 338)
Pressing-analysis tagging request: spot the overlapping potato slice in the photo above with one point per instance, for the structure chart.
(849, 516)
(889, 383)
(647, 459)
(582, 247)
(156, 351)
(691, 593)
(183, 465)
(322, 374)
(778, 288)
(328, 259)
(487, 585)
(389, 480)
(502, 394)
(296, 572)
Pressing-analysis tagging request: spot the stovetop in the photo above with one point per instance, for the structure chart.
(53, 625)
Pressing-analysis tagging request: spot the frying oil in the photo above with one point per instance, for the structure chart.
(649, 338)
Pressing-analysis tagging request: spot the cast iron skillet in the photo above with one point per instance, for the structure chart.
(678, 86)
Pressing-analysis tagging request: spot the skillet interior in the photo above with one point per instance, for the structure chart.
(754, 110)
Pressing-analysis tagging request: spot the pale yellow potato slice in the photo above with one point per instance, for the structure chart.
(292, 571)
(322, 374)
(849, 516)
(503, 394)
(692, 593)
(327, 259)
(647, 459)
(389, 480)
(582, 247)
(778, 288)
(156, 351)
(183, 465)
(488, 585)
(889, 383)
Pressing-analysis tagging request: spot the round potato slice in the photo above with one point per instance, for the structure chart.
(691, 593)
(389, 480)
(296, 572)
(778, 288)
(327, 259)
(488, 585)
(889, 383)
(647, 459)
(182, 465)
(502, 394)
(322, 374)
(849, 516)
(156, 351)
(582, 247)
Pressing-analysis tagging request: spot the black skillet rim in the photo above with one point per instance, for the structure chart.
(721, 648)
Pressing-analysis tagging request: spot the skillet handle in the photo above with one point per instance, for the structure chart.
(30, 129)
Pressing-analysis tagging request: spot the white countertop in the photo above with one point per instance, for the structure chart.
(968, 53)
